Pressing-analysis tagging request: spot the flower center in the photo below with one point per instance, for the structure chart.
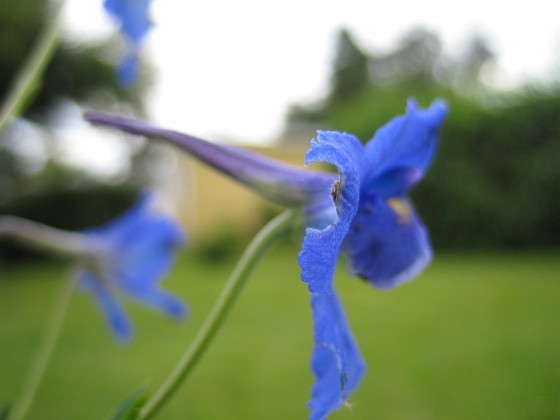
(401, 209)
(335, 190)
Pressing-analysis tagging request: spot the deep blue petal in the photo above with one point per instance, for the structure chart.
(408, 141)
(336, 361)
(112, 310)
(321, 248)
(387, 243)
(395, 182)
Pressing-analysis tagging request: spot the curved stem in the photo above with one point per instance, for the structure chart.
(269, 234)
(39, 367)
(27, 79)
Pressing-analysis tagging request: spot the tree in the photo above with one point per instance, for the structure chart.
(350, 72)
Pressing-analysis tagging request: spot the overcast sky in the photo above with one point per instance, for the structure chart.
(229, 69)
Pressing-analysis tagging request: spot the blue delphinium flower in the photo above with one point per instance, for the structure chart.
(135, 23)
(130, 256)
(375, 226)
(363, 212)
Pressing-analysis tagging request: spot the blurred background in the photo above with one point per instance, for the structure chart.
(477, 335)
(270, 79)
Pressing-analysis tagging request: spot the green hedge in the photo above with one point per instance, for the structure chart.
(496, 179)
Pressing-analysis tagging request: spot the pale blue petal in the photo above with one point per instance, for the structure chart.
(133, 16)
(145, 253)
(111, 308)
(161, 300)
(128, 69)
(134, 252)
(387, 243)
(336, 361)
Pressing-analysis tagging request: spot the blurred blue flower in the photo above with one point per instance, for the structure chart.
(135, 23)
(130, 256)
(363, 212)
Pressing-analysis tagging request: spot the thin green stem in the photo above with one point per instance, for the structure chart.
(27, 79)
(43, 237)
(41, 361)
(273, 231)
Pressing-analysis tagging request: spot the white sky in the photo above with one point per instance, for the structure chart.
(229, 69)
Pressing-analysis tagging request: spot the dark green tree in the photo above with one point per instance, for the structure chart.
(350, 68)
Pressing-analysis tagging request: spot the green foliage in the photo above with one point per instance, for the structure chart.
(475, 337)
(131, 406)
(496, 178)
(81, 73)
(350, 72)
(20, 23)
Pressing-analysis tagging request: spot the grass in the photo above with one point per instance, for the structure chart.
(477, 336)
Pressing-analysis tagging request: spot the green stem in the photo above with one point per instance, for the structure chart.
(45, 351)
(27, 79)
(43, 237)
(269, 234)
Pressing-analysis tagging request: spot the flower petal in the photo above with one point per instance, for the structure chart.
(128, 69)
(277, 181)
(387, 243)
(407, 141)
(336, 361)
(133, 253)
(145, 253)
(321, 248)
(162, 300)
(111, 308)
(132, 16)
(135, 23)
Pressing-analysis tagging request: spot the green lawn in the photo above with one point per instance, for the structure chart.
(475, 337)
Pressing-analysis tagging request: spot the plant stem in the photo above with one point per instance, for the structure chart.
(27, 79)
(41, 361)
(43, 237)
(268, 235)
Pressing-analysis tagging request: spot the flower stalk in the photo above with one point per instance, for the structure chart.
(260, 244)
(43, 237)
(27, 79)
(42, 359)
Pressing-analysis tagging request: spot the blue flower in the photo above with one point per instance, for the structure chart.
(130, 256)
(375, 226)
(363, 212)
(135, 23)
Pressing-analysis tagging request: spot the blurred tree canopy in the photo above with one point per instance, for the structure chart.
(81, 73)
(75, 72)
(496, 179)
